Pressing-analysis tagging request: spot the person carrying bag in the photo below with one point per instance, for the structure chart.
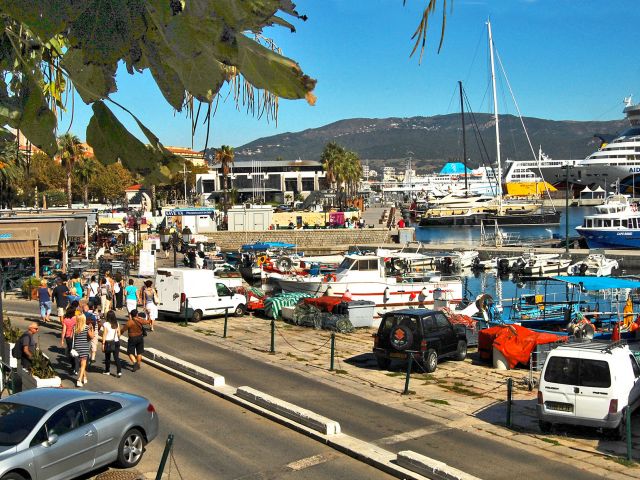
(111, 343)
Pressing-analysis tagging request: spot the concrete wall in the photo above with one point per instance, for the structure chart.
(307, 240)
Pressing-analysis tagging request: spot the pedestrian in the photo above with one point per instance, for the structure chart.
(76, 282)
(93, 292)
(135, 332)
(72, 296)
(131, 296)
(118, 287)
(150, 302)
(106, 295)
(111, 343)
(66, 339)
(28, 344)
(60, 295)
(44, 297)
(82, 339)
(93, 321)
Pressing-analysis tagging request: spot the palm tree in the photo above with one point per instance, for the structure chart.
(12, 168)
(86, 170)
(224, 157)
(70, 150)
(330, 161)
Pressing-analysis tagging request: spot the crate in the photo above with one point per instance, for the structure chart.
(361, 313)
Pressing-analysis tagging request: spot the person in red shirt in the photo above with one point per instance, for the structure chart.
(401, 223)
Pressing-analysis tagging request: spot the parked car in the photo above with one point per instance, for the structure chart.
(427, 334)
(55, 433)
(589, 384)
(199, 291)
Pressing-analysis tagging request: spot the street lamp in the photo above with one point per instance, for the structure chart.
(566, 208)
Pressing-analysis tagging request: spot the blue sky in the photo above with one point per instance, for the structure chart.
(565, 60)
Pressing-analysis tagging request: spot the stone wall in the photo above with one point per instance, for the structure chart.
(308, 240)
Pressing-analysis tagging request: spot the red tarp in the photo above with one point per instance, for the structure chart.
(324, 304)
(514, 341)
(460, 319)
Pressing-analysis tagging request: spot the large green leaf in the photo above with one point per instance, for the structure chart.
(45, 18)
(266, 69)
(37, 121)
(92, 81)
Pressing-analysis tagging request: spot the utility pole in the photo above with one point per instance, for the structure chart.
(184, 174)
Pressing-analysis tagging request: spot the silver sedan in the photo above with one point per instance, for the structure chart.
(55, 433)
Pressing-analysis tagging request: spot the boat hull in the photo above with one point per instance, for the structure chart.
(386, 296)
(617, 239)
(549, 218)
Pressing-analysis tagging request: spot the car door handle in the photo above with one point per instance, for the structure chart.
(89, 434)
(576, 390)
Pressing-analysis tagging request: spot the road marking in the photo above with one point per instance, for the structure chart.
(307, 462)
(412, 435)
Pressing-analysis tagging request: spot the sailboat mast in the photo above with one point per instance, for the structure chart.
(464, 142)
(495, 112)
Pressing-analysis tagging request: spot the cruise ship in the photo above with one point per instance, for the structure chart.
(615, 162)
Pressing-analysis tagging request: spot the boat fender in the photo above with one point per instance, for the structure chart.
(262, 259)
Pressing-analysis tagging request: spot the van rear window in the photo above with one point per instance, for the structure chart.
(581, 372)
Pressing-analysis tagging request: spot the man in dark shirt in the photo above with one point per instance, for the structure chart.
(60, 296)
(28, 345)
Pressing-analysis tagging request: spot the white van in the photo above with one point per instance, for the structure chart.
(589, 384)
(199, 291)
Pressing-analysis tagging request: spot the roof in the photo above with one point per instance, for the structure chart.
(45, 398)
(134, 188)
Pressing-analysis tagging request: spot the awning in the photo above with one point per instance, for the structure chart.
(599, 283)
(49, 234)
(75, 227)
(17, 242)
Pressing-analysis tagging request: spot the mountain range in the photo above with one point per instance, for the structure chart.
(432, 141)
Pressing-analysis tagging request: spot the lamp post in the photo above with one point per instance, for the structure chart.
(566, 209)
(175, 248)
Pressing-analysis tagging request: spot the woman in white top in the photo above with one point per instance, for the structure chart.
(111, 343)
(93, 292)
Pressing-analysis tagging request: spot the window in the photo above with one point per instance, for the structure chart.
(223, 290)
(428, 323)
(17, 421)
(346, 264)
(366, 265)
(66, 419)
(634, 366)
(97, 408)
(441, 321)
(580, 372)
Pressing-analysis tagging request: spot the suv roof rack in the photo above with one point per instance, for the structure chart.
(600, 346)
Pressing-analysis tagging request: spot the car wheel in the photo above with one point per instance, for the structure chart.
(12, 476)
(461, 351)
(431, 361)
(545, 427)
(240, 310)
(197, 316)
(130, 449)
(383, 362)
(619, 432)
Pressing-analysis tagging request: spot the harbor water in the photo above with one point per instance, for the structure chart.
(470, 236)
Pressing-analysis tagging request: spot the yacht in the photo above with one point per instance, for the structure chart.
(617, 161)
(617, 226)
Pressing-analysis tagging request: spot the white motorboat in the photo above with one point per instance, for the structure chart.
(384, 277)
(531, 263)
(596, 264)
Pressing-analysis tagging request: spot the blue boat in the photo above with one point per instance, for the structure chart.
(616, 225)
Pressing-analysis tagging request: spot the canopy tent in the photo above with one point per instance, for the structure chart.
(262, 246)
(454, 168)
(599, 283)
(599, 192)
(586, 192)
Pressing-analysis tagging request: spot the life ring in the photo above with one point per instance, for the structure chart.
(330, 277)
(262, 259)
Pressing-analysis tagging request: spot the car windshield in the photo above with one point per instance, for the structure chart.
(17, 421)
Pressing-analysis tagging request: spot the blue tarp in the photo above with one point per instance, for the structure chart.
(600, 283)
(262, 246)
(454, 168)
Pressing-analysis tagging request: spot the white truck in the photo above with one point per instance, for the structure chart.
(199, 293)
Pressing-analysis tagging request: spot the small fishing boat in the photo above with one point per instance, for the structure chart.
(596, 264)
(531, 263)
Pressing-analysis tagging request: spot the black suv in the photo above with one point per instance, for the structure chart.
(427, 334)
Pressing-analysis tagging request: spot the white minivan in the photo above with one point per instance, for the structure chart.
(198, 291)
(589, 384)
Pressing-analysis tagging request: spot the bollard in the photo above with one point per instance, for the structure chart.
(333, 349)
(409, 366)
(273, 336)
(509, 395)
(165, 455)
(628, 431)
(226, 318)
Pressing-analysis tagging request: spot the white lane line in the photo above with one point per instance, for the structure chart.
(412, 435)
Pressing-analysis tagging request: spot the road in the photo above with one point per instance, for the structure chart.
(214, 438)
(370, 421)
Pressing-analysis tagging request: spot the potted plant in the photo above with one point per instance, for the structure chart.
(11, 336)
(41, 374)
(30, 288)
